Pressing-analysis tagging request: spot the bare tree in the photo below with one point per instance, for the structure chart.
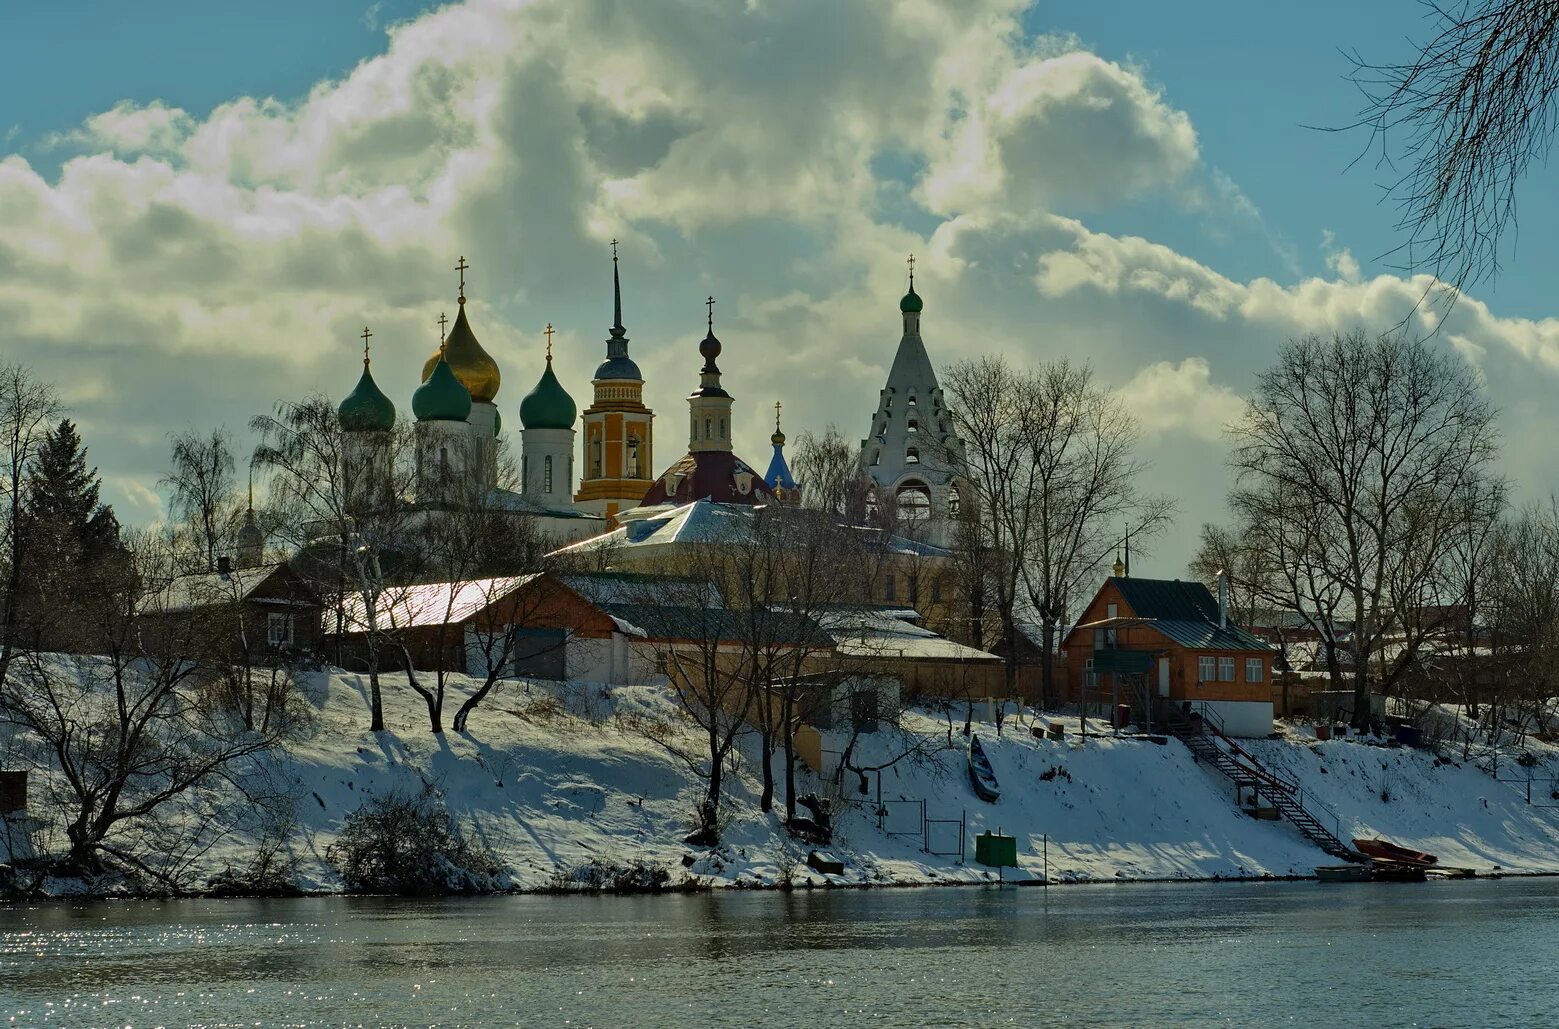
(1052, 465)
(27, 409)
(201, 489)
(340, 500)
(830, 466)
(139, 749)
(1467, 116)
(1353, 458)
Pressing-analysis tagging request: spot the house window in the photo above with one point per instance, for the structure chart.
(890, 586)
(1090, 677)
(1226, 669)
(936, 591)
(1110, 610)
(278, 630)
(1206, 669)
(546, 474)
(1253, 669)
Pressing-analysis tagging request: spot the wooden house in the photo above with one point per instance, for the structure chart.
(1150, 642)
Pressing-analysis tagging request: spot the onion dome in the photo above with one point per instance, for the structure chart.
(442, 398)
(472, 365)
(911, 304)
(548, 406)
(366, 408)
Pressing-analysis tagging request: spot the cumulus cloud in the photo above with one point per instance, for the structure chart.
(184, 268)
(1166, 397)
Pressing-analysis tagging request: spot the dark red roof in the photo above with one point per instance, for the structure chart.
(718, 475)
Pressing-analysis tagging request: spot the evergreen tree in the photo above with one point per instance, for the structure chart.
(73, 549)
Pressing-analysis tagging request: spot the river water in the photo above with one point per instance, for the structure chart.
(1436, 954)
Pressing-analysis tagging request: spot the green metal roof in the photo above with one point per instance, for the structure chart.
(548, 406)
(366, 408)
(442, 398)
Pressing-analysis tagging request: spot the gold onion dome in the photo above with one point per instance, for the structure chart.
(472, 365)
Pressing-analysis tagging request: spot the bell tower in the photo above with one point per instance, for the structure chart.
(618, 430)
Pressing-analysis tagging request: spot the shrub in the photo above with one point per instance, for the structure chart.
(409, 845)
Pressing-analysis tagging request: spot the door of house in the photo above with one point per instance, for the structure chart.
(1163, 676)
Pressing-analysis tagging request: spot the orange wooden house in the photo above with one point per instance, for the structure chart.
(1185, 646)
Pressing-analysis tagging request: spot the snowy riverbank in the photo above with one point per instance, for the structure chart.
(552, 784)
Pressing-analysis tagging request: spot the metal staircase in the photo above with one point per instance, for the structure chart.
(1202, 733)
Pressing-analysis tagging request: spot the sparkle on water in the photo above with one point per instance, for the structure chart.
(1444, 954)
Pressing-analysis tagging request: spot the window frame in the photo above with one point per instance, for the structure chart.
(1258, 664)
(1226, 668)
(1206, 663)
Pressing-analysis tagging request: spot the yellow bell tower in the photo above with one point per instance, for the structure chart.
(619, 431)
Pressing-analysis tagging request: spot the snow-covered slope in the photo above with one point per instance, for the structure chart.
(551, 782)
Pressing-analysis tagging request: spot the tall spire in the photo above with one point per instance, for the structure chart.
(778, 476)
(618, 365)
(617, 297)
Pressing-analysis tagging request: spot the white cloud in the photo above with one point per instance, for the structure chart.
(185, 269)
(1165, 397)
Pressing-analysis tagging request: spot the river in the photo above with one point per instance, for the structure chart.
(1437, 954)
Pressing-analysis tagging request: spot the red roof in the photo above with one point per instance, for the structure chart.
(718, 475)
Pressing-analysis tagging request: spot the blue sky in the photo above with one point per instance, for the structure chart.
(206, 201)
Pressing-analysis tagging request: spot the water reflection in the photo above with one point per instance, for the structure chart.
(1443, 954)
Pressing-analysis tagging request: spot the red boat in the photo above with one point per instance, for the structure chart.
(1385, 850)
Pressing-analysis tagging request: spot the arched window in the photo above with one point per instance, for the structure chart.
(913, 425)
(525, 472)
(546, 474)
(635, 459)
(911, 455)
(914, 502)
(708, 425)
(595, 458)
(722, 428)
(954, 501)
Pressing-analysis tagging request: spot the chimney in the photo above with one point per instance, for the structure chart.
(224, 565)
(1223, 599)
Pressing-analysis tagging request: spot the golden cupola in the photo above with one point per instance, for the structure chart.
(473, 366)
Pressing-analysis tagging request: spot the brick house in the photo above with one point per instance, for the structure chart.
(1188, 649)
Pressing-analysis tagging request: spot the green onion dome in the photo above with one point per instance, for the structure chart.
(911, 304)
(441, 398)
(548, 406)
(366, 408)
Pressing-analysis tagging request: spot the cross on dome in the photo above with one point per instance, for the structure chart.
(710, 303)
(548, 331)
(366, 336)
(461, 266)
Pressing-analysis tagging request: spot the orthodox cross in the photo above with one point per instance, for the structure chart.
(366, 336)
(614, 250)
(710, 303)
(549, 330)
(442, 321)
(776, 416)
(461, 267)
(911, 271)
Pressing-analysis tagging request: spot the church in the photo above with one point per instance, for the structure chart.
(912, 457)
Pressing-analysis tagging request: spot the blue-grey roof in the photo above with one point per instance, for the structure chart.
(618, 368)
(1185, 612)
(1200, 635)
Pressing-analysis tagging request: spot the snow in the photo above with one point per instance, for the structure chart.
(555, 778)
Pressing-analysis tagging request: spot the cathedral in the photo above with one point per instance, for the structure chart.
(912, 458)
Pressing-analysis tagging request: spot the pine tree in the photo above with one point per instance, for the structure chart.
(73, 550)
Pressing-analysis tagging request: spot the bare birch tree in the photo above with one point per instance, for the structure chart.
(201, 489)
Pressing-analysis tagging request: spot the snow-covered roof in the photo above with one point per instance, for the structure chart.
(706, 521)
(212, 589)
(431, 603)
(886, 633)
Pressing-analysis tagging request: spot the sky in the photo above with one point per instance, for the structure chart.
(201, 205)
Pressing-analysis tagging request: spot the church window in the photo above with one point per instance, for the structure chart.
(722, 428)
(954, 501)
(913, 425)
(890, 586)
(708, 422)
(876, 458)
(911, 455)
(634, 458)
(915, 502)
(694, 431)
(936, 590)
(546, 474)
(595, 459)
(525, 472)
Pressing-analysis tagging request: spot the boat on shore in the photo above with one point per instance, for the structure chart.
(1384, 850)
(981, 775)
(1343, 873)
